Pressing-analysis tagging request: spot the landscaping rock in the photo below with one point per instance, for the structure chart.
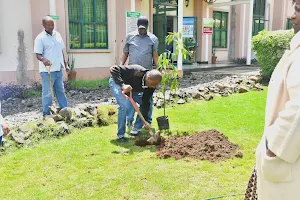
(66, 113)
(16, 111)
(201, 89)
(58, 118)
(160, 103)
(208, 97)
(255, 78)
(189, 99)
(181, 101)
(18, 137)
(220, 86)
(64, 128)
(243, 89)
(196, 95)
(258, 87)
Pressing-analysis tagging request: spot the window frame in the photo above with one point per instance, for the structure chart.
(83, 23)
(223, 14)
(289, 24)
(260, 15)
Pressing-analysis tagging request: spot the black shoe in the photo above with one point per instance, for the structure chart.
(138, 134)
(122, 140)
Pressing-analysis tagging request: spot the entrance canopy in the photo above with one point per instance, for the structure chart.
(220, 3)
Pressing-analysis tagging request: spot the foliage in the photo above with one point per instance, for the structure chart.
(243, 61)
(12, 90)
(166, 63)
(80, 165)
(269, 47)
(71, 62)
(76, 45)
(106, 115)
(214, 52)
(91, 84)
(32, 93)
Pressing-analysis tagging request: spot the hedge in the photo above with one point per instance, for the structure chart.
(269, 47)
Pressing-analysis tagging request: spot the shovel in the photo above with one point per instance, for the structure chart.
(155, 138)
(56, 112)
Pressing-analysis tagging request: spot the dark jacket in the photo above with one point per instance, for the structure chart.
(134, 75)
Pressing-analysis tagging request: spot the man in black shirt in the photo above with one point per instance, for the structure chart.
(137, 79)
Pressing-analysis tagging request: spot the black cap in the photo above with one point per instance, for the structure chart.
(142, 22)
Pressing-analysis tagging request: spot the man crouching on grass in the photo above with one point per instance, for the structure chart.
(133, 78)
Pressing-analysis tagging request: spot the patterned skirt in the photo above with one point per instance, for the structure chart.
(252, 187)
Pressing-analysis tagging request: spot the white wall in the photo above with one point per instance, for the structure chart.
(290, 9)
(14, 15)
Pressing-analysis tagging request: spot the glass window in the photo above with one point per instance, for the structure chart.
(220, 29)
(88, 24)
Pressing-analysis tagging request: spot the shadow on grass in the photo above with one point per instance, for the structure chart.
(135, 144)
(140, 144)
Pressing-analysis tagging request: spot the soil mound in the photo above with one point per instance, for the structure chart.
(207, 145)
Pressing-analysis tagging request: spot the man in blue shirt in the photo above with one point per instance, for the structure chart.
(48, 47)
(142, 49)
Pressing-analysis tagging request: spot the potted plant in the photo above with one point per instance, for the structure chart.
(71, 64)
(214, 57)
(170, 73)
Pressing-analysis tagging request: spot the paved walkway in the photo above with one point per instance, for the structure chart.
(241, 70)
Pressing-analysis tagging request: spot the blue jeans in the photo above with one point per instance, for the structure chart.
(124, 106)
(130, 116)
(58, 89)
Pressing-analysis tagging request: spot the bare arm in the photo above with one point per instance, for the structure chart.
(155, 52)
(155, 58)
(124, 58)
(64, 59)
(43, 60)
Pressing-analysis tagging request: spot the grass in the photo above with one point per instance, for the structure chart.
(32, 93)
(89, 164)
(91, 84)
(78, 84)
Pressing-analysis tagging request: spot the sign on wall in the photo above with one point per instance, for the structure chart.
(54, 17)
(131, 21)
(208, 24)
(188, 27)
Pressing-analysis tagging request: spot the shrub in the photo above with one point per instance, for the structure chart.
(106, 115)
(11, 91)
(242, 61)
(269, 47)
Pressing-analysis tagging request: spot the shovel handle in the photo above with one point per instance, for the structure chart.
(127, 97)
(135, 106)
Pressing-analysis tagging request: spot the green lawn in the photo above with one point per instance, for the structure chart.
(89, 164)
(91, 84)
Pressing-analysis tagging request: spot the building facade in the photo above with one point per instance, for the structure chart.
(94, 31)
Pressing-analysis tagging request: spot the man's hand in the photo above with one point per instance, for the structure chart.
(126, 88)
(46, 62)
(147, 126)
(270, 153)
(5, 129)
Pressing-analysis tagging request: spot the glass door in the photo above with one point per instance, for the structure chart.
(189, 38)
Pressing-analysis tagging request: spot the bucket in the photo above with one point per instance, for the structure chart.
(163, 123)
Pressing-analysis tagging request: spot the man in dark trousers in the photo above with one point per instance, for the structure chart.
(141, 48)
(133, 78)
